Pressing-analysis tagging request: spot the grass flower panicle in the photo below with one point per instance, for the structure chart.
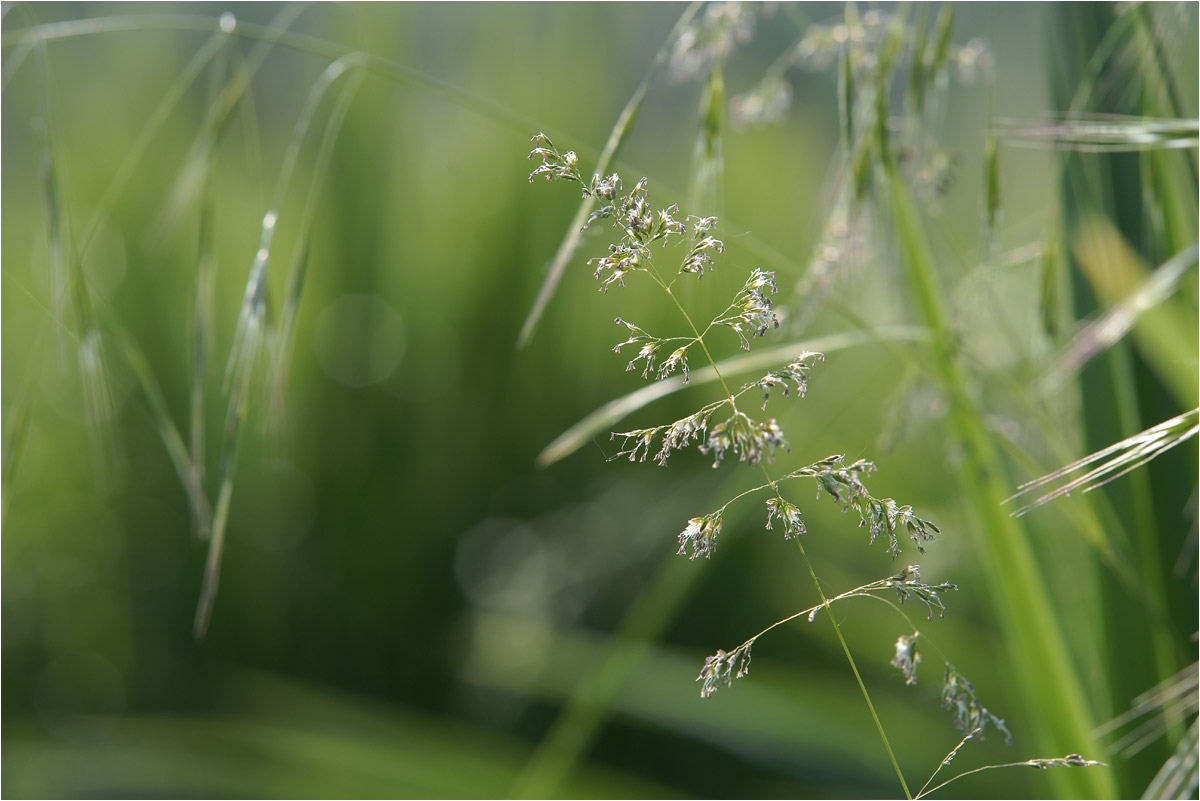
(754, 442)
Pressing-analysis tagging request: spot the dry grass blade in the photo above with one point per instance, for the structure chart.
(1104, 134)
(1170, 701)
(620, 130)
(1117, 460)
(1179, 776)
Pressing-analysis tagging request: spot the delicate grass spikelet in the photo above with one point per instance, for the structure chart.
(907, 657)
(700, 536)
(958, 695)
(723, 668)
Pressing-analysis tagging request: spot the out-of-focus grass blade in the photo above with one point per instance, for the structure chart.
(197, 164)
(1173, 699)
(582, 432)
(1126, 455)
(1104, 134)
(202, 325)
(1167, 338)
(1179, 777)
(295, 279)
(216, 543)
(616, 138)
(707, 157)
(1115, 323)
(14, 442)
(272, 737)
(148, 130)
(177, 451)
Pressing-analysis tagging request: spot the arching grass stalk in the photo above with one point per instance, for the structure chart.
(853, 667)
(784, 505)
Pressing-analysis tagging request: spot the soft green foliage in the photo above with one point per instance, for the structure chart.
(275, 522)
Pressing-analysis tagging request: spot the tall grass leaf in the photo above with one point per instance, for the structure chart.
(616, 138)
(1038, 655)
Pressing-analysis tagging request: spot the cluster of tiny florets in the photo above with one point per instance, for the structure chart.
(700, 536)
(722, 668)
(880, 516)
(750, 313)
(788, 514)
(796, 371)
(649, 349)
(958, 695)
(907, 657)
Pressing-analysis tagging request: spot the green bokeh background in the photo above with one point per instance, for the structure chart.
(406, 599)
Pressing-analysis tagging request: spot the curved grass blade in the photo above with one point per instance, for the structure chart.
(1115, 323)
(600, 420)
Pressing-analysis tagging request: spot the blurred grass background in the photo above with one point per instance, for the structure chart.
(406, 601)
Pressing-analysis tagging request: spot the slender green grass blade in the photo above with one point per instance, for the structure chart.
(616, 138)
